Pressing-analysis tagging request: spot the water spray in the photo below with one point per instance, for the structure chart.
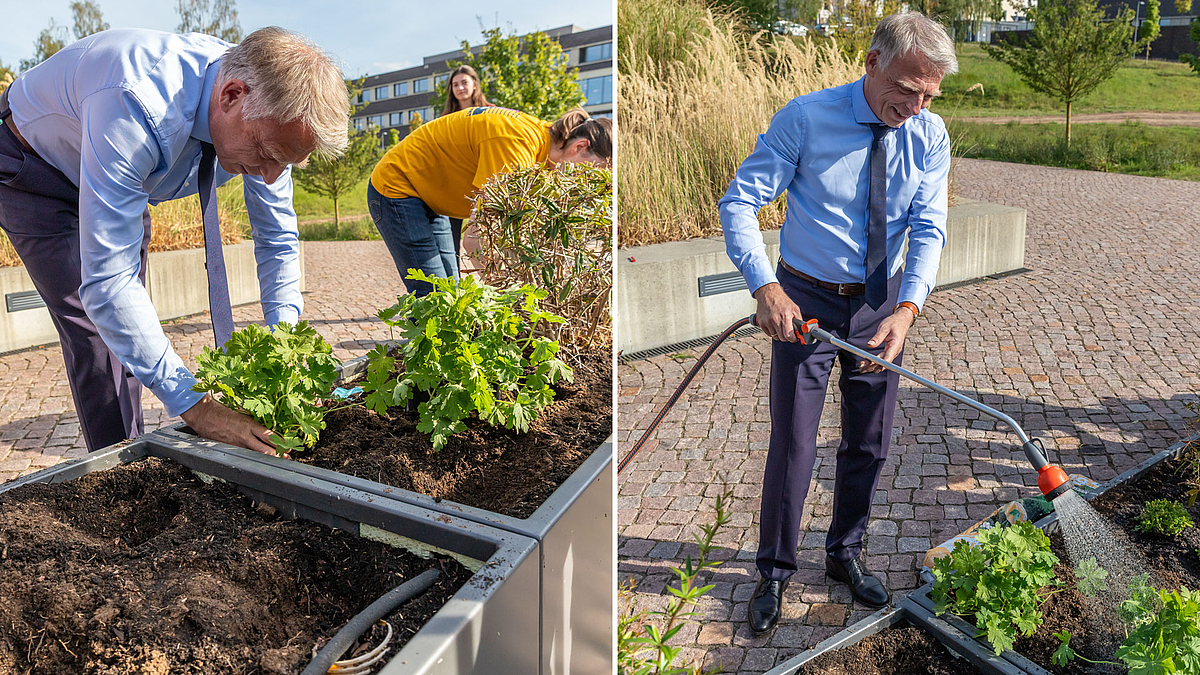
(1052, 480)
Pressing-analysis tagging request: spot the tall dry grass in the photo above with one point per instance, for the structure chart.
(177, 225)
(696, 89)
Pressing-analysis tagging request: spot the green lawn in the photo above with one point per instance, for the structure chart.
(309, 206)
(1133, 148)
(351, 229)
(1138, 85)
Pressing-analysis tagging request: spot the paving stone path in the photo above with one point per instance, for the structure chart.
(347, 282)
(1094, 351)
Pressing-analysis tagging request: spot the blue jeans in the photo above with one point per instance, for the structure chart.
(416, 237)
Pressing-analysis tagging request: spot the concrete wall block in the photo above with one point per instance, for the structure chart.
(658, 299)
(176, 280)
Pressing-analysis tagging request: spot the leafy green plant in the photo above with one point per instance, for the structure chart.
(1166, 632)
(471, 348)
(999, 581)
(1165, 517)
(279, 378)
(635, 633)
(552, 229)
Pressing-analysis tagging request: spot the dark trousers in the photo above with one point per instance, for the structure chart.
(39, 211)
(799, 375)
(416, 237)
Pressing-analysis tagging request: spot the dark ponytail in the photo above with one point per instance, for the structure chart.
(576, 124)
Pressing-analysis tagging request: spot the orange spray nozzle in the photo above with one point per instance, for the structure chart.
(1052, 481)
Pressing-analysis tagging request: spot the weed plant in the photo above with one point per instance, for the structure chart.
(643, 637)
(696, 90)
(1165, 517)
(1131, 148)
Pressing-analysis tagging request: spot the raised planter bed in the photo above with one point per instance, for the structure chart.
(487, 626)
(1119, 501)
(573, 527)
(897, 640)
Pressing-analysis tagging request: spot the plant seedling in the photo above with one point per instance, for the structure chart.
(1165, 517)
(279, 378)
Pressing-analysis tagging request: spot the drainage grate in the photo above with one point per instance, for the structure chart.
(16, 302)
(680, 346)
(715, 284)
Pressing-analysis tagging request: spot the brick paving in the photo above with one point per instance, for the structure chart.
(347, 283)
(1093, 351)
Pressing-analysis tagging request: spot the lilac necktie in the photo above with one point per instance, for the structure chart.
(214, 259)
(877, 267)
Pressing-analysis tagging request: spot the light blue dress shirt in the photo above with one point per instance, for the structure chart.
(122, 113)
(818, 149)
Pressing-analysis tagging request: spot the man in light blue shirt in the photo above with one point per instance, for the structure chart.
(118, 121)
(862, 165)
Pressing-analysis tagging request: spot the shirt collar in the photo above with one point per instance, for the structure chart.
(862, 110)
(200, 129)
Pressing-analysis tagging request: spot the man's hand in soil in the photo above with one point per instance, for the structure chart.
(891, 333)
(214, 421)
(775, 313)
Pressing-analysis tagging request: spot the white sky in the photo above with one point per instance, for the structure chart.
(369, 37)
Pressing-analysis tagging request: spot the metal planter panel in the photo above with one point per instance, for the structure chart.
(488, 626)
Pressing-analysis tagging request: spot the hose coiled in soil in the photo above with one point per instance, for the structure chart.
(367, 618)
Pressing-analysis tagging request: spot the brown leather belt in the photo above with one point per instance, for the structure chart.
(840, 289)
(6, 115)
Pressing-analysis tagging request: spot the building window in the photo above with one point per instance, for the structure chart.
(380, 93)
(365, 96)
(396, 119)
(597, 90)
(438, 79)
(358, 124)
(420, 85)
(595, 53)
(400, 89)
(375, 120)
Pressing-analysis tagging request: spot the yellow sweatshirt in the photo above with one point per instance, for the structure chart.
(444, 162)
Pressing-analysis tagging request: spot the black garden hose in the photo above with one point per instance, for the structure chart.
(678, 392)
(367, 618)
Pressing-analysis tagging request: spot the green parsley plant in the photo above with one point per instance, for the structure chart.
(279, 378)
(998, 581)
(471, 348)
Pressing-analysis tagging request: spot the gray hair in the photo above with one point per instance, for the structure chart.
(903, 33)
(290, 78)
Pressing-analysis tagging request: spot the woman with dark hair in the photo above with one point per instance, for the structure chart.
(438, 168)
(464, 91)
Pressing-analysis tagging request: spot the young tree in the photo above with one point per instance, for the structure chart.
(1191, 59)
(47, 44)
(335, 178)
(529, 74)
(6, 76)
(415, 121)
(87, 18)
(1183, 6)
(1149, 28)
(218, 18)
(1071, 51)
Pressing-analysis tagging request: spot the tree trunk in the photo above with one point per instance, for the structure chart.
(1068, 125)
(336, 221)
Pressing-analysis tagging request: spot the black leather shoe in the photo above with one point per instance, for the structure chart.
(864, 586)
(766, 605)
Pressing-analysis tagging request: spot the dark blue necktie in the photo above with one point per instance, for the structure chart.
(877, 267)
(214, 259)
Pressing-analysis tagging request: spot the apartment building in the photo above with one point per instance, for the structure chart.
(392, 99)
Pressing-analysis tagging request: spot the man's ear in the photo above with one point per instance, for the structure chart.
(231, 94)
(871, 63)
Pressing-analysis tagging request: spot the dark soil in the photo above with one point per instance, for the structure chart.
(145, 570)
(486, 467)
(1171, 561)
(901, 650)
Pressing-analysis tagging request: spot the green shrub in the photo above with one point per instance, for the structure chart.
(471, 348)
(552, 229)
(1165, 517)
(279, 378)
(998, 581)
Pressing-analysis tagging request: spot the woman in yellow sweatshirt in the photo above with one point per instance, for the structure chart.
(433, 173)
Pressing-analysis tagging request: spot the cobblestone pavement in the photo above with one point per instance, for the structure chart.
(347, 283)
(1094, 351)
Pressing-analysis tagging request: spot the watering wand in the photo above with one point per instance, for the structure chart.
(1052, 480)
